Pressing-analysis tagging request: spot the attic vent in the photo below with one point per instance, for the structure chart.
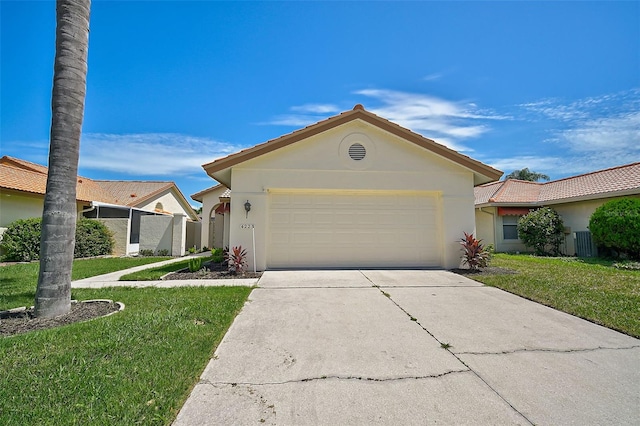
(357, 152)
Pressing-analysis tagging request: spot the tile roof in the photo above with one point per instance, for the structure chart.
(20, 175)
(132, 193)
(198, 195)
(602, 183)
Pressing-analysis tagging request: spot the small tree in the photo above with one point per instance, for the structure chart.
(526, 174)
(542, 230)
(616, 225)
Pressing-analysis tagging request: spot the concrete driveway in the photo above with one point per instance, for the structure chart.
(411, 347)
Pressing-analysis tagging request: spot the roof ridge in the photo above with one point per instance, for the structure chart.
(592, 173)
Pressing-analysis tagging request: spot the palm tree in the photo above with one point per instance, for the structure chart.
(526, 174)
(53, 295)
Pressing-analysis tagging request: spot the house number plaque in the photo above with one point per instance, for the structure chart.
(247, 226)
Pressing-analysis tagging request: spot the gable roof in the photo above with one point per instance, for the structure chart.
(134, 193)
(21, 175)
(24, 176)
(615, 181)
(482, 172)
(199, 195)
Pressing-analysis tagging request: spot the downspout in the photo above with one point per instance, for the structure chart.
(495, 230)
(89, 209)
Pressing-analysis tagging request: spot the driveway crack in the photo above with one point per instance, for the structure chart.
(507, 352)
(335, 377)
(447, 348)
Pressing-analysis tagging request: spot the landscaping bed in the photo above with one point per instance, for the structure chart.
(17, 321)
(210, 271)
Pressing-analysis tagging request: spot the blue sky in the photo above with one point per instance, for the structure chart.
(553, 86)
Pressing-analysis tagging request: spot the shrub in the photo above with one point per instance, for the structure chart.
(163, 252)
(195, 264)
(616, 226)
(21, 240)
(192, 250)
(93, 238)
(542, 230)
(218, 255)
(145, 252)
(237, 260)
(474, 253)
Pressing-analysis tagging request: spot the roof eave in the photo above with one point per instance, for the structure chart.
(220, 169)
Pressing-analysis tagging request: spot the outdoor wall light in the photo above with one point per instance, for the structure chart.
(247, 207)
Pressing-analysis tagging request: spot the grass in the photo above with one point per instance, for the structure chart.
(153, 274)
(18, 282)
(135, 367)
(591, 288)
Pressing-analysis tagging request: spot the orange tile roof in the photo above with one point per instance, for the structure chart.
(602, 183)
(20, 175)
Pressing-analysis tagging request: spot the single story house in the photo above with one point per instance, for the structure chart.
(123, 206)
(499, 205)
(215, 201)
(354, 190)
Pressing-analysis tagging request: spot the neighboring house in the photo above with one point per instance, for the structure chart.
(159, 205)
(215, 216)
(160, 197)
(499, 205)
(354, 190)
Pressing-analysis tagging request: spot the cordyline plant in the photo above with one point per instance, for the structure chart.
(474, 253)
(237, 260)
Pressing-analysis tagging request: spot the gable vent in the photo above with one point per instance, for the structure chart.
(357, 152)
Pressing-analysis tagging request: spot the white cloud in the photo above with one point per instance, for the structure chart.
(445, 121)
(316, 108)
(155, 154)
(433, 77)
(621, 133)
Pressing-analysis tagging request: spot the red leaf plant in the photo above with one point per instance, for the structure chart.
(474, 253)
(237, 260)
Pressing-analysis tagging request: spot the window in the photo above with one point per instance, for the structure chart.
(510, 227)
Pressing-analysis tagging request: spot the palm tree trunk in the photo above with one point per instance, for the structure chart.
(53, 295)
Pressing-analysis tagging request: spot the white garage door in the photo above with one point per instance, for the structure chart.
(352, 229)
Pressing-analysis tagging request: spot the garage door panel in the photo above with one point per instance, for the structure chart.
(352, 230)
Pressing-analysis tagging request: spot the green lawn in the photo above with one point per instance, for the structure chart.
(18, 282)
(135, 367)
(153, 274)
(590, 289)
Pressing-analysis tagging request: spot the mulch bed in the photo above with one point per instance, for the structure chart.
(490, 270)
(12, 323)
(210, 271)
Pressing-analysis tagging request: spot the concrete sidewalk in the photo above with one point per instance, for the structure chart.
(411, 347)
(112, 279)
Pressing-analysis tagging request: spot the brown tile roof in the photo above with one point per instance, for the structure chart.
(481, 170)
(20, 175)
(133, 193)
(602, 183)
(198, 195)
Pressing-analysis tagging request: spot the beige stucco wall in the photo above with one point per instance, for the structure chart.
(16, 205)
(170, 203)
(120, 230)
(321, 162)
(209, 201)
(485, 230)
(156, 233)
